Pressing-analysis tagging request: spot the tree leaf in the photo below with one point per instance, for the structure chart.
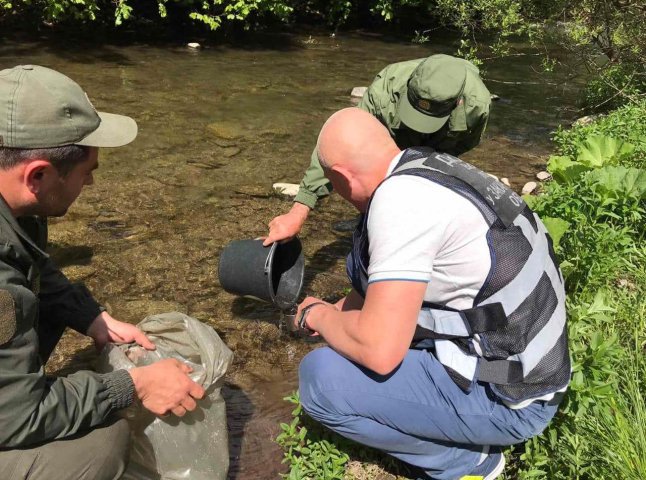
(619, 182)
(556, 228)
(564, 169)
(598, 150)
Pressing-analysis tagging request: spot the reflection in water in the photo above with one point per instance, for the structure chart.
(217, 128)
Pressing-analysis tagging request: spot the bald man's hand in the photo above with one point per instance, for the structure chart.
(287, 226)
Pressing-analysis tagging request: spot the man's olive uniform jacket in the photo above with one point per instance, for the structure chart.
(35, 408)
(461, 133)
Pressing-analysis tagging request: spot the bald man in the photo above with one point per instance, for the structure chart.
(453, 340)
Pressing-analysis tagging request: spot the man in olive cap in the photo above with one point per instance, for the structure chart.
(438, 102)
(61, 428)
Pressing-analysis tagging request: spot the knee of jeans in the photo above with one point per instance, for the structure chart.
(110, 463)
(315, 368)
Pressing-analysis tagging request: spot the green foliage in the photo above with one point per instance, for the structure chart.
(310, 451)
(592, 152)
(619, 183)
(627, 123)
(599, 197)
(556, 228)
(614, 86)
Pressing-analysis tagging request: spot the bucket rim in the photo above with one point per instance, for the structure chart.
(269, 273)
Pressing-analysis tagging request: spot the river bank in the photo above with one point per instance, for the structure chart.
(217, 128)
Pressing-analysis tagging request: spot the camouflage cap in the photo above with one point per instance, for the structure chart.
(42, 108)
(433, 91)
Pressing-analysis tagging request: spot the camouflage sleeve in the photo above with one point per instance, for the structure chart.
(314, 184)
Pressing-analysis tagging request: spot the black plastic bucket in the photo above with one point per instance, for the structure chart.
(274, 274)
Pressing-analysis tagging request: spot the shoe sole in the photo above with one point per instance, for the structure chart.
(498, 470)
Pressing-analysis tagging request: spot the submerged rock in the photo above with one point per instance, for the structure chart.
(225, 130)
(194, 45)
(230, 152)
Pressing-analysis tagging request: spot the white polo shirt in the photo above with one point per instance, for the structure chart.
(422, 231)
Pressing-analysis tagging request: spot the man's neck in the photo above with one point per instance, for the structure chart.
(10, 196)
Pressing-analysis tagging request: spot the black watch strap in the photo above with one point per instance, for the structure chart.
(302, 318)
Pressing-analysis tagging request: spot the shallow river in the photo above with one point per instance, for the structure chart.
(217, 127)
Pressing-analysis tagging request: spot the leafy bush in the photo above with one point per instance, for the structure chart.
(597, 202)
(627, 123)
(308, 449)
(614, 87)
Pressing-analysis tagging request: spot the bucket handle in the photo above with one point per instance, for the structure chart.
(269, 258)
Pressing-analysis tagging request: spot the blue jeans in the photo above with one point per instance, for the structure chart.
(416, 414)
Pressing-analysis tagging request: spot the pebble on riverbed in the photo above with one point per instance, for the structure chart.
(505, 181)
(194, 45)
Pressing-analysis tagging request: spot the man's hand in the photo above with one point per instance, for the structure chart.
(309, 320)
(165, 387)
(285, 227)
(106, 329)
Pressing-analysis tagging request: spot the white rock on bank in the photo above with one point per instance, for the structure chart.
(492, 176)
(587, 120)
(289, 189)
(542, 176)
(505, 181)
(194, 45)
(529, 188)
(358, 92)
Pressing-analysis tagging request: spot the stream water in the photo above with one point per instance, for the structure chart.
(217, 127)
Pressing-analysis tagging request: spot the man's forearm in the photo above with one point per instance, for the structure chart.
(350, 334)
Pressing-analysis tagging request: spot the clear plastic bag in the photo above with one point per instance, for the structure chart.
(194, 446)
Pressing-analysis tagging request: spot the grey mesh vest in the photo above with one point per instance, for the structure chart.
(515, 335)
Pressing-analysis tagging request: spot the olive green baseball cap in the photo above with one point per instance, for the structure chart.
(433, 91)
(42, 108)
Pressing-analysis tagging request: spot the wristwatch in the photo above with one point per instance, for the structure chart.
(302, 318)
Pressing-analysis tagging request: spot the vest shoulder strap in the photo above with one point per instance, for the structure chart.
(504, 202)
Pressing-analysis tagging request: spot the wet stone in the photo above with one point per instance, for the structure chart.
(231, 152)
(542, 176)
(221, 142)
(204, 164)
(358, 92)
(529, 188)
(346, 225)
(225, 130)
(289, 189)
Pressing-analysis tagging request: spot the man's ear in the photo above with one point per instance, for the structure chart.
(344, 176)
(36, 174)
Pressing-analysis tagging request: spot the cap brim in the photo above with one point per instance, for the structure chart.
(418, 121)
(114, 131)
